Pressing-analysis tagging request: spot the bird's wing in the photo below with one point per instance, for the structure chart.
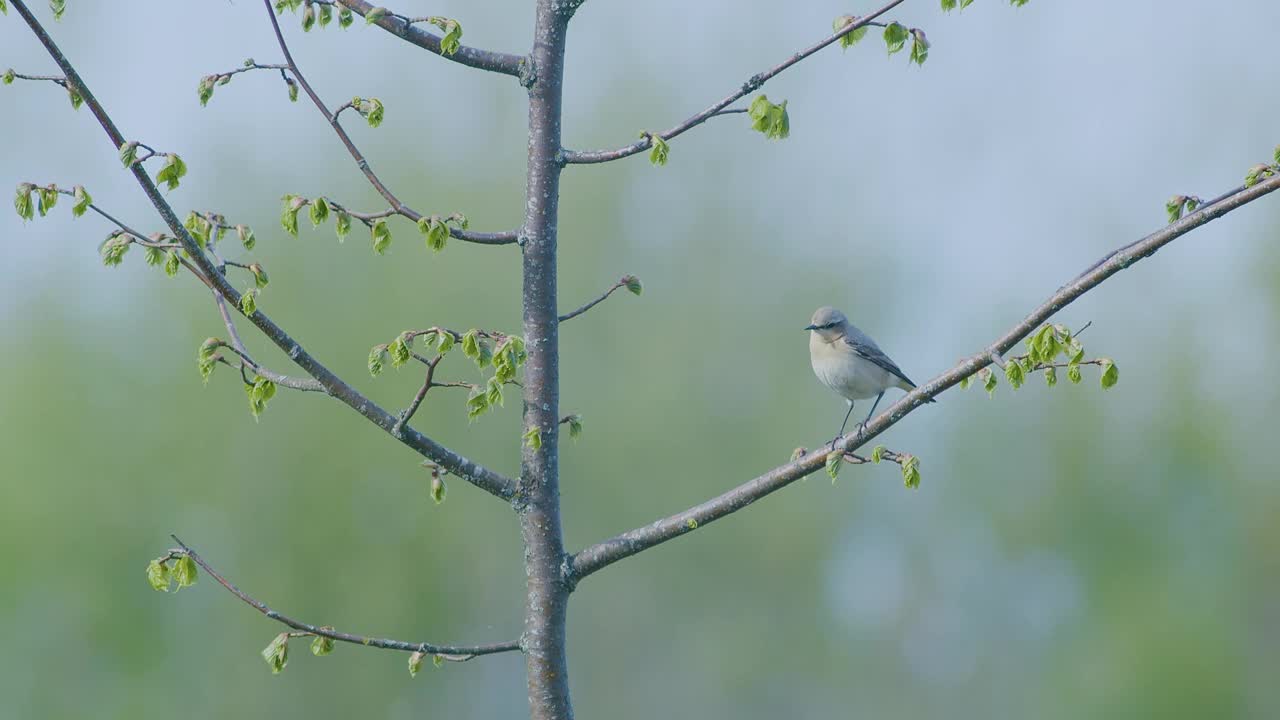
(867, 349)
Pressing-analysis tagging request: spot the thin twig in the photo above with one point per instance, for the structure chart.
(574, 157)
(484, 478)
(607, 552)
(501, 238)
(454, 653)
(603, 296)
(427, 384)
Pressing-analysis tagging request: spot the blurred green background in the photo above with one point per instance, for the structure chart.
(1070, 552)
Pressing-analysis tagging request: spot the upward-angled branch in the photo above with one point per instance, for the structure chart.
(751, 85)
(482, 477)
(498, 62)
(500, 238)
(642, 538)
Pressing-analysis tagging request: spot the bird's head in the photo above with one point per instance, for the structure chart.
(828, 323)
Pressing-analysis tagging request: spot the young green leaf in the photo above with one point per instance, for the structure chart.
(319, 211)
(291, 204)
(632, 283)
(129, 153)
(575, 427)
(277, 653)
(965, 3)
(1256, 173)
(377, 356)
(770, 119)
(158, 575)
(326, 15)
(471, 344)
(948, 5)
(659, 149)
(199, 227)
(184, 572)
(964, 382)
(911, 471)
(381, 234)
(373, 112)
(1174, 207)
(435, 231)
(58, 7)
(374, 15)
(438, 488)
(9, 75)
(477, 404)
(834, 460)
(399, 350)
(22, 201)
(114, 248)
(444, 342)
(259, 275)
(321, 645)
(342, 225)
(82, 201)
(47, 197)
(204, 91)
(1051, 376)
(452, 39)
(246, 236)
(895, 37)
(1073, 373)
(1013, 371)
(174, 170)
(249, 302)
(260, 392)
(919, 46)
(533, 437)
(989, 380)
(415, 660)
(153, 256)
(877, 454)
(308, 17)
(74, 97)
(345, 17)
(171, 263)
(1110, 373)
(493, 391)
(852, 37)
(292, 86)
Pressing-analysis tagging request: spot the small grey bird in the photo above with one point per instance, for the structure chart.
(849, 362)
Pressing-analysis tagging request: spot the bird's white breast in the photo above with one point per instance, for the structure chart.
(846, 373)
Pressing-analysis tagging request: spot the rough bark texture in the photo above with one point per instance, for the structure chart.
(538, 490)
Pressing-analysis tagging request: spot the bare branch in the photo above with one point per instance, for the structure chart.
(482, 477)
(752, 84)
(500, 238)
(403, 28)
(634, 541)
(455, 653)
(622, 282)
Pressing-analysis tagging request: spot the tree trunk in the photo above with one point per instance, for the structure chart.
(538, 493)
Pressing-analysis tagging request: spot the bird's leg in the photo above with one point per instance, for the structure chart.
(846, 422)
(863, 428)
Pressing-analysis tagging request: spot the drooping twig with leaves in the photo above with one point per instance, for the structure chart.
(527, 360)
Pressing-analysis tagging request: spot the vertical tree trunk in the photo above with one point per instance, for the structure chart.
(538, 495)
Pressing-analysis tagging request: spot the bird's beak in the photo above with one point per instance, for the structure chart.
(810, 327)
